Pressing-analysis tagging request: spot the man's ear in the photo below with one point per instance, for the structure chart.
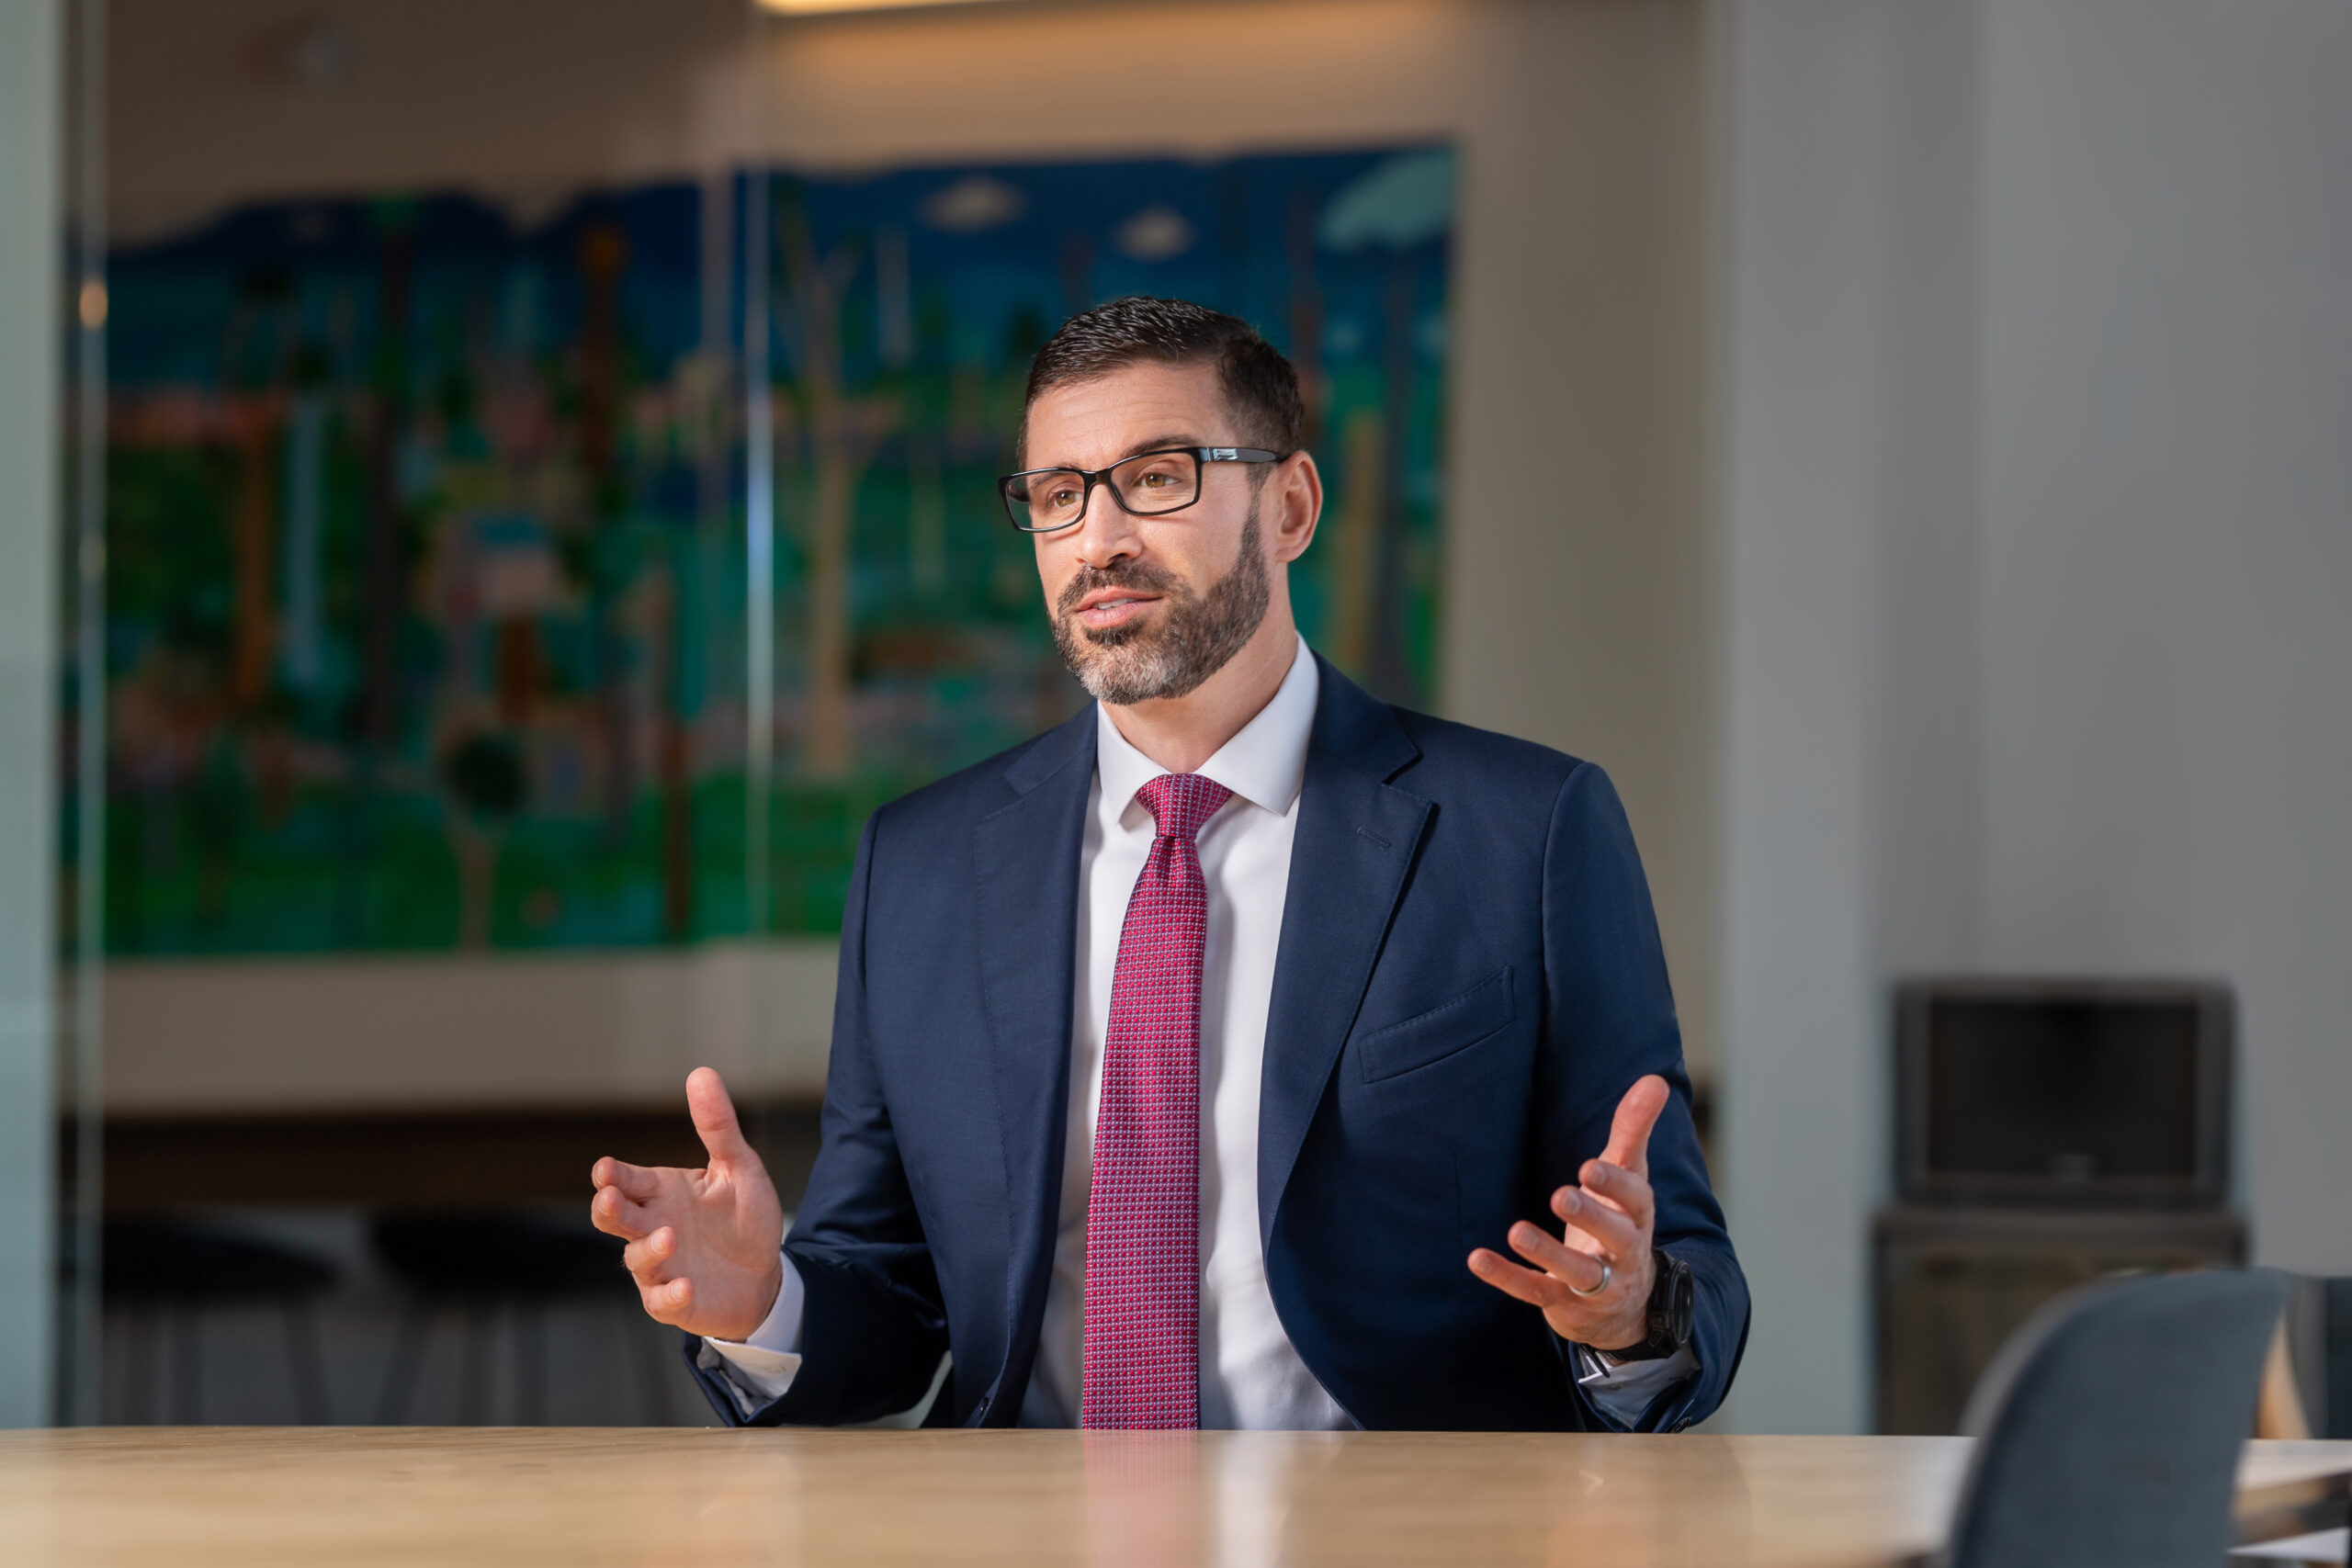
(1297, 487)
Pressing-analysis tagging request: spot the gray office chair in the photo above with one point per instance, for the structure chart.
(2319, 1353)
(2107, 1428)
(165, 1275)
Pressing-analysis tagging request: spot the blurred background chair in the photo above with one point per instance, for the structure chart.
(484, 1265)
(165, 1276)
(2110, 1425)
(2307, 1384)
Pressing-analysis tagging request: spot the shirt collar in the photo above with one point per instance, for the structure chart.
(1264, 763)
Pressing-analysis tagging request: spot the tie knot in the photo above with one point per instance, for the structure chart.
(1179, 803)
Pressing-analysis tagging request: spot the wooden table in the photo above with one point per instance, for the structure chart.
(262, 1496)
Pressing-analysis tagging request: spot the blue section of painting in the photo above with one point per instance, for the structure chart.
(427, 603)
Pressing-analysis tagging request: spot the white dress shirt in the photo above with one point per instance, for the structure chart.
(1251, 1375)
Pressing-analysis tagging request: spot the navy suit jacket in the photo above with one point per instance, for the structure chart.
(1469, 979)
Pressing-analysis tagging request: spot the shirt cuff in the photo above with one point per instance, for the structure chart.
(763, 1364)
(1623, 1392)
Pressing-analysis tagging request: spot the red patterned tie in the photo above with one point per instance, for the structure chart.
(1142, 1226)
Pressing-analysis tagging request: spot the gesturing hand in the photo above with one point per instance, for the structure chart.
(1594, 1285)
(702, 1244)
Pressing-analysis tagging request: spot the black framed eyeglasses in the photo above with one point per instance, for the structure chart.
(1149, 484)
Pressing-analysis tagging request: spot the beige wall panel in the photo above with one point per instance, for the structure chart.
(401, 1033)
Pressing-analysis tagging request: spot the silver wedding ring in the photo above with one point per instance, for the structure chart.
(1597, 1288)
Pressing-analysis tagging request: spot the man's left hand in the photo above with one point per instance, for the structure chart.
(1593, 1285)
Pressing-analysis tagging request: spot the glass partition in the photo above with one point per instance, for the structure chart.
(427, 770)
(82, 751)
(545, 505)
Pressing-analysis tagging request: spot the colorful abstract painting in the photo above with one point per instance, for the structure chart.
(431, 543)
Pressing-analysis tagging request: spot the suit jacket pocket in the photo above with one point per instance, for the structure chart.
(1434, 1035)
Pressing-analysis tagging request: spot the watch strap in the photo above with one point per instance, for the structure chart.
(1667, 1312)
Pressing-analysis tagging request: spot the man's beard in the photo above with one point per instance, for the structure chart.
(1196, 635)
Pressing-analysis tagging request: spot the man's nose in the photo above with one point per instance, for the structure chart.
(1106, 533)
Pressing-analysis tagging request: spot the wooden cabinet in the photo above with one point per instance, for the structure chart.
(1951, 1283)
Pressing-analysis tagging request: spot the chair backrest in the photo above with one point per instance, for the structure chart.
(2335, 1357)
(2319, 1354)
(2107, 1429)
(2307, 1385)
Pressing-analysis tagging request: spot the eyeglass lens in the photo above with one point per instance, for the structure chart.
(1145, 485)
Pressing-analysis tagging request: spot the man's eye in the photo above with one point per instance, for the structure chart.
(1064, 497)
(1157, 482)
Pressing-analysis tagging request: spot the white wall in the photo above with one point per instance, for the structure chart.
(1804, 92)
(2167, 536)
(29, 323)
(2036, 515)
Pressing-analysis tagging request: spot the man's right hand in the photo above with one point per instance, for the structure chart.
(703, 1245)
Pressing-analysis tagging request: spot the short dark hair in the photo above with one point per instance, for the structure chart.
(1261, 386)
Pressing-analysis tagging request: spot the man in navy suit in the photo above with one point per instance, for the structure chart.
(1305, 1007)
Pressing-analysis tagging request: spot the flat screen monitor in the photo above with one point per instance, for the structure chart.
(2051, 1092)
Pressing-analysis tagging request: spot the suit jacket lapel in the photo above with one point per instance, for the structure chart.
(1356, 837)
(1025, 858)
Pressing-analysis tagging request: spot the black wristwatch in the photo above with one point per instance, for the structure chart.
(1674, 1298)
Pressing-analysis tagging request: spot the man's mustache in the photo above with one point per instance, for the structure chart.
(1133, 576)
